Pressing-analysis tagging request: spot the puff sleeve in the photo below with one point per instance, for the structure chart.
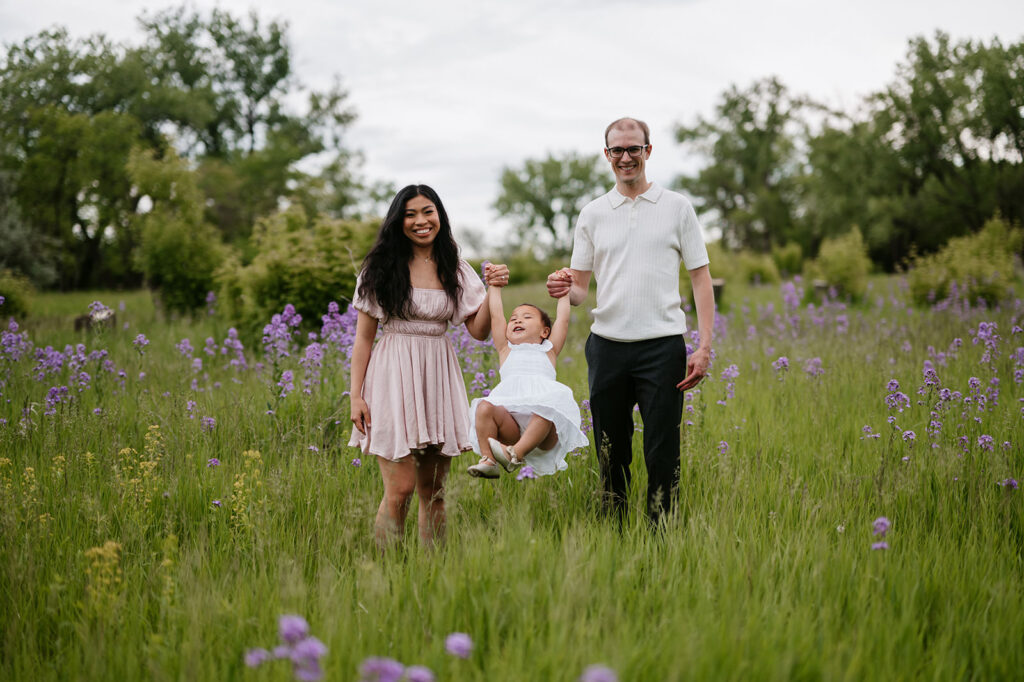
(473, 293)
(366, 305)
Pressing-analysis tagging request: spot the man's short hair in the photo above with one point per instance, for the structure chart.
(627, 123)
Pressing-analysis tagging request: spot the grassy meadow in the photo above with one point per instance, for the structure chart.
(159, 515)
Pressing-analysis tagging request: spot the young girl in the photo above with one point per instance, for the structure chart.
(409, 403)
(528, 417)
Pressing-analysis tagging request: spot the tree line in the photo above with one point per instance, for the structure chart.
(211, 89)
(94, 134)
(932, 156)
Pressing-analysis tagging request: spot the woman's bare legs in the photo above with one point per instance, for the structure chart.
(494, 421)
(399, 483)
(431, 470)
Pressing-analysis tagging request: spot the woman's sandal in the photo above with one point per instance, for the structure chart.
(504, 455)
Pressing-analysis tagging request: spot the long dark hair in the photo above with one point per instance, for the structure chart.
(385, 274)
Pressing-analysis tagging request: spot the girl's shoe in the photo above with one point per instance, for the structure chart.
(504, 455)
(484, 469)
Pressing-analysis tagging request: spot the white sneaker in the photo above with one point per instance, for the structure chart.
(484, 469)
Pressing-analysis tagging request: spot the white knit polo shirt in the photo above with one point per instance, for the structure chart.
(634, 249)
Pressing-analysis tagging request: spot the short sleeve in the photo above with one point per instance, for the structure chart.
(691, 237)
(366, 305)
(582, 245)
(473, 293)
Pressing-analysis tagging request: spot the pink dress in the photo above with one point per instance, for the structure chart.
(414, 386)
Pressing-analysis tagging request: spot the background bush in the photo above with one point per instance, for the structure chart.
(178, 251)
(298, 262)
(843, 263)
(16, 291)
(789, 259)
(982, 266)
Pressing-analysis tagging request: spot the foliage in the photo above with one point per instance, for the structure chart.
(178, 252)
(16, 291)
(750, 184)
(932, 156)
(33, 255)
(215, 87)
(524, 267)
(544, 197)
(844, 264)
(789, 258)
(928, 158)
(736, 266)
(303, 261)
(979, 266)
(757, 268)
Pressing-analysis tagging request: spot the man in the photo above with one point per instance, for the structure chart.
(633, 240)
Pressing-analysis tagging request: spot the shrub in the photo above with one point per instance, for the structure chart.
(16, 292)
(843, 263)
(525, 268)
(789, 259)
(757, 268)
(307, 265)
(178, 252)
(982, 266)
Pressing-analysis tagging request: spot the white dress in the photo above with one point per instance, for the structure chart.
(528, 387)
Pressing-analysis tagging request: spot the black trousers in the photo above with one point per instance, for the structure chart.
(644, 373)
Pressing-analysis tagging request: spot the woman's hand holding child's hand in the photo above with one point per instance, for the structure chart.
(495, 274)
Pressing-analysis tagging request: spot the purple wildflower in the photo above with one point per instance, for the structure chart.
(419, 673)
(212, 462)
(208, 424)
(909, 436)
(140, 343)
(723, 447)
(256, 657)
(986, 442)
(286, 383)
(781, 364)
(526, 472)
(379, 669)
(356, 462)
(880, 526)
(813, 367)
(1009, 483)
(292, 629)
(598, 673)
(306, 657)
(216, 503)
(459, 644)
(880, 545)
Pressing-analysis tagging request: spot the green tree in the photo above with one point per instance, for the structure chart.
(178, 251)
(754, 147)
(543, 197)
(931, 157)
(215, 88)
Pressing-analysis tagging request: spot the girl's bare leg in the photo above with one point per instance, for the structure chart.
(539, 432)
(494, 421)
(399, 483)
(431, 470)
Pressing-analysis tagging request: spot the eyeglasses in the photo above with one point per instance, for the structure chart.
(635, 150)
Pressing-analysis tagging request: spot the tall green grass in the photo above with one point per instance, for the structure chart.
(765, 572)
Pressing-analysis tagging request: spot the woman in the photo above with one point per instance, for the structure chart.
(409, 404)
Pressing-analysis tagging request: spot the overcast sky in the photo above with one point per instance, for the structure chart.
(450, 91)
